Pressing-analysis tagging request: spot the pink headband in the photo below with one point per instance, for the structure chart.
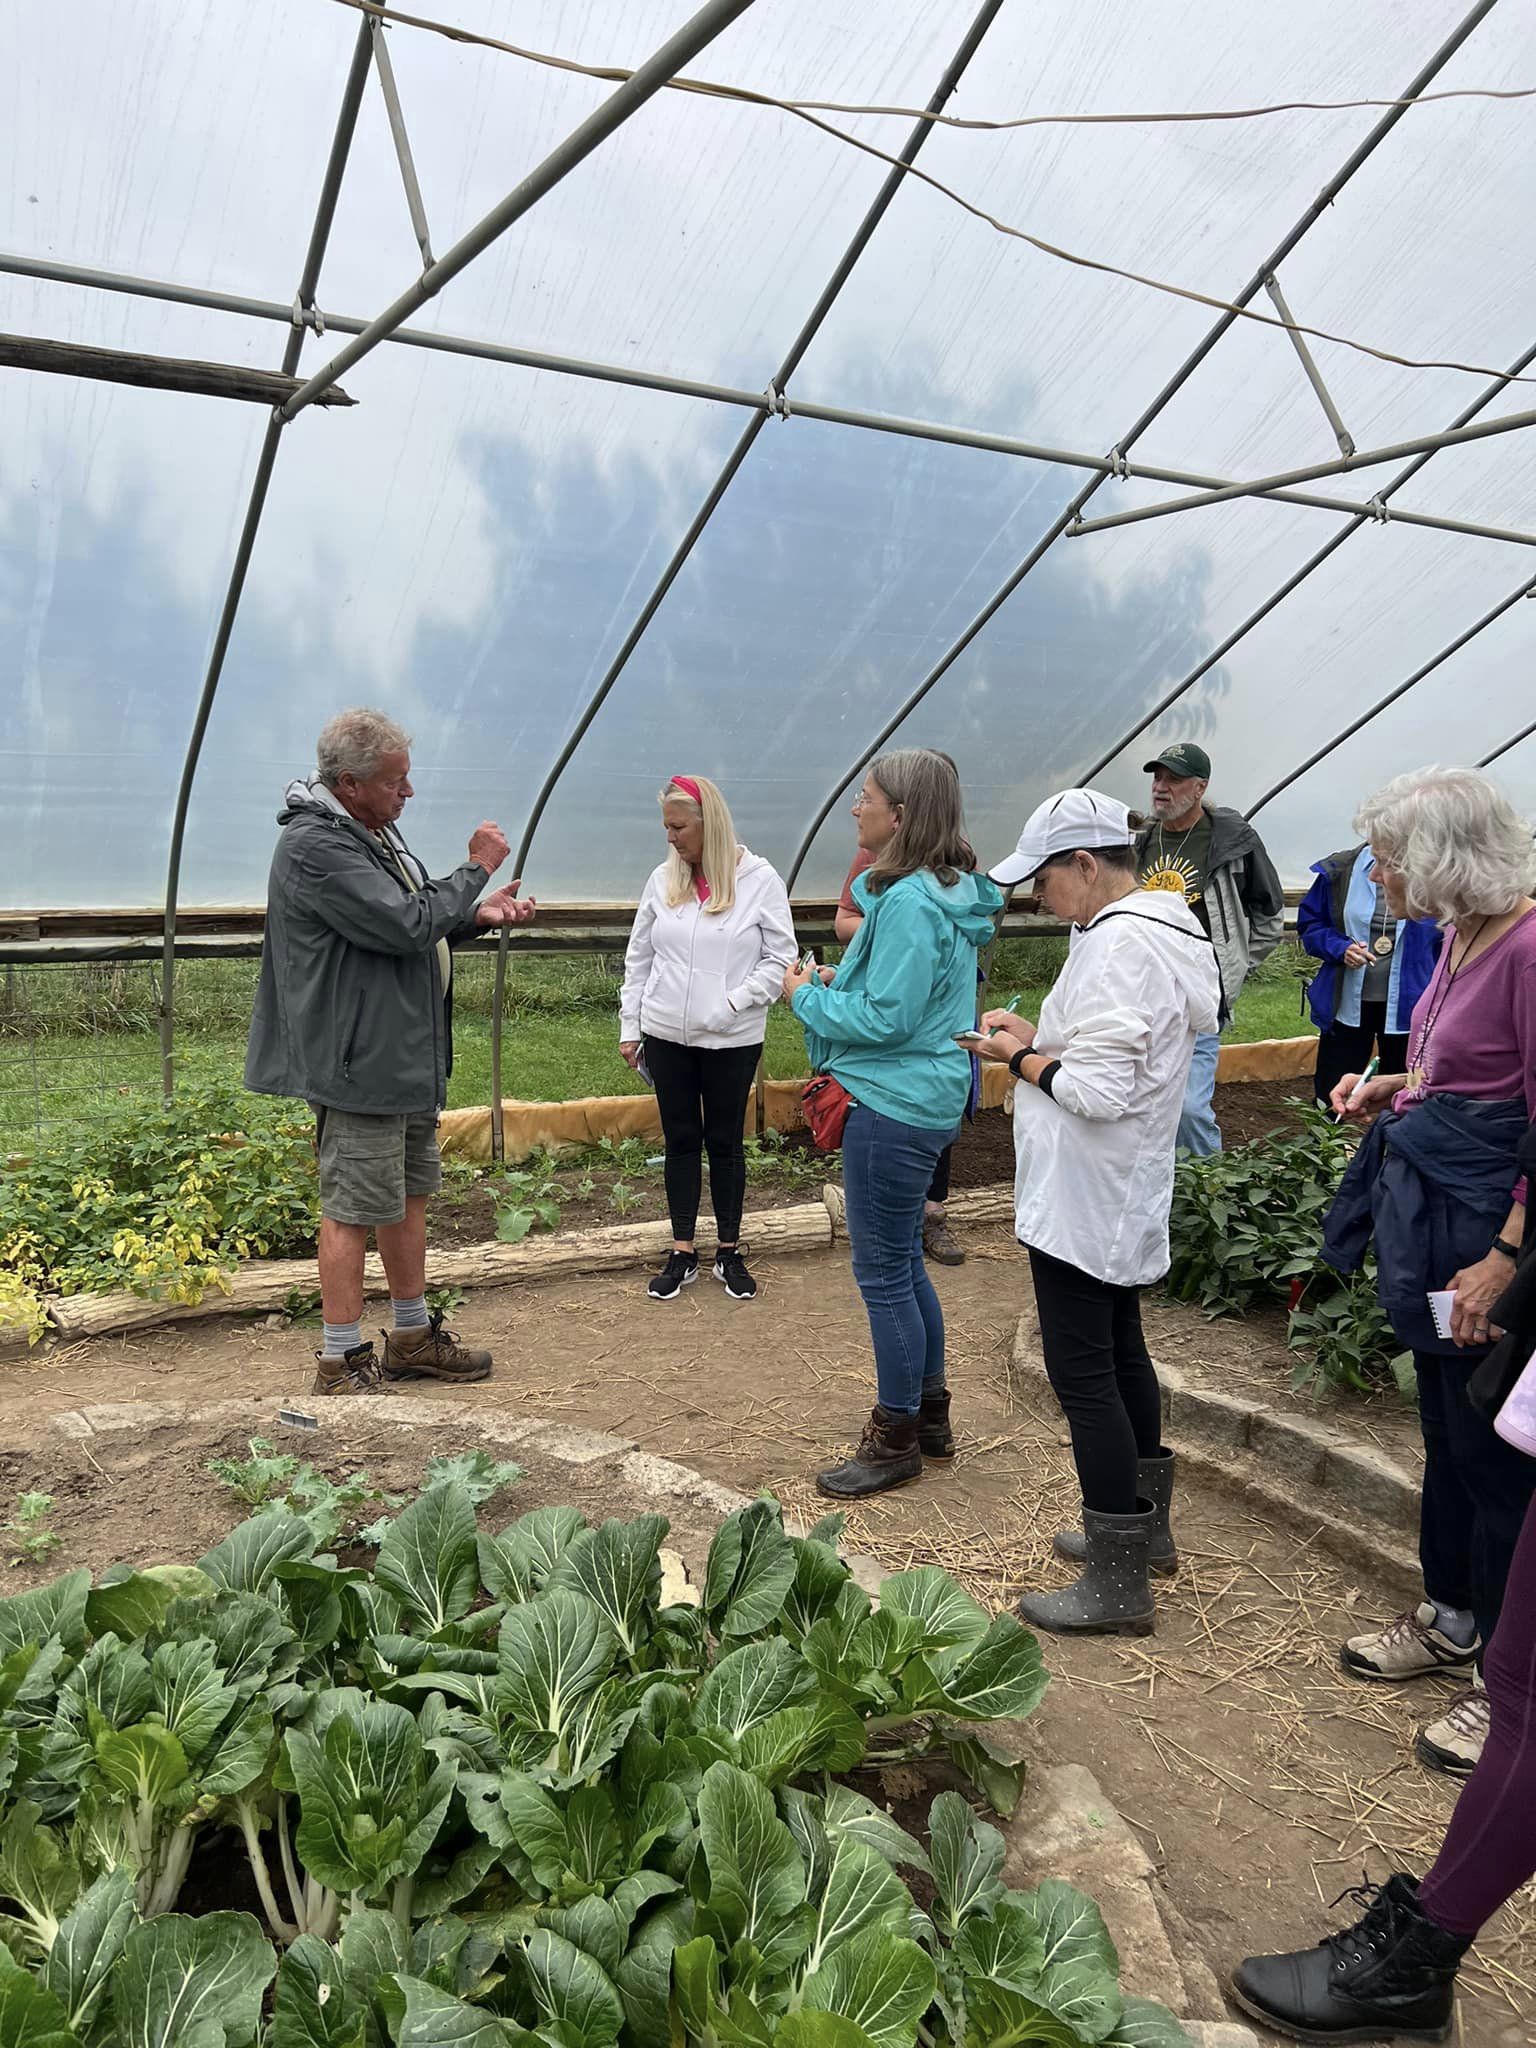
(687, 784)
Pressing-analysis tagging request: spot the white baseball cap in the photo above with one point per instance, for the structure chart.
(1072, 818)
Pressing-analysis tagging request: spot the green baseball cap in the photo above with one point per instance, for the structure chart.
(1185, 758)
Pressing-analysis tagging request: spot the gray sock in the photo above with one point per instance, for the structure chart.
(410, 1315)
(340, 1338)
(1456, 1623)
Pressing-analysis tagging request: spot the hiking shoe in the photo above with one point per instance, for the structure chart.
(1409, 1647)
(1454, 1743)
(1391, 1976)
(355, 1372)
(940, 1243)
(432, 1354)
(935, 1438)
(887, 1456)
(680, 1271)
(730, 1268)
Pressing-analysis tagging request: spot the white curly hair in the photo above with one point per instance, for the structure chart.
(1458, 842)
(354, 743)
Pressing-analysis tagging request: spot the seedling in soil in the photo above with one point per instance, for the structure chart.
(530, 1196)
(301, 1309)
(29, 1530)
(444, 1301)
(622, 1198)
(271, 1479)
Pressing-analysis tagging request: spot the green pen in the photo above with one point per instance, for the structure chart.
(1372, 1068)
(1011, 1005)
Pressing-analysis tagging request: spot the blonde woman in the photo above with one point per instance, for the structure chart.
(711, 941)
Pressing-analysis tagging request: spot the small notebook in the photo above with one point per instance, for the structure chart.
(1440, 1306)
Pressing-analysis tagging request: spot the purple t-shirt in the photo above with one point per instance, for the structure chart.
(1481, 1038)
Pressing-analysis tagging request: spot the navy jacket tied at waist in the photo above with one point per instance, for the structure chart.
(1432, 1187)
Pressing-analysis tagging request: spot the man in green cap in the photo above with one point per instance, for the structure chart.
(1214, 860)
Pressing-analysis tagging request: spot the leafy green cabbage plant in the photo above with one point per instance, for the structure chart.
(495, 1792)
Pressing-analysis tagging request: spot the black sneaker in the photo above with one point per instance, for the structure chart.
(680, 1271)
(730, 1268)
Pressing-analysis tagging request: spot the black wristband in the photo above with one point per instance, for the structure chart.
(1046, 1082)
(1016, 1064)
(1502, 1244)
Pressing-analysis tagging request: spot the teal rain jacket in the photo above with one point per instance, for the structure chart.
(886, 1027)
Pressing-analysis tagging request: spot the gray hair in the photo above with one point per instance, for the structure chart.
(355, 742)
(1455, 838)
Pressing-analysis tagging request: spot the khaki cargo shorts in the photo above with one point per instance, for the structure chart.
(369, 1164)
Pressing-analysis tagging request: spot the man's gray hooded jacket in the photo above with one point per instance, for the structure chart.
(1244, 898)
(350, 1006)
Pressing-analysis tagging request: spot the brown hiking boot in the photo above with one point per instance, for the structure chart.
(357, 1372)
(887, 1456)
(432, 1354)
(940, 1243)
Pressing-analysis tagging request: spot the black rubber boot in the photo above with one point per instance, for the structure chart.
(1154, 1482)
(935, 1438)
(887, 1456)
(1391, 1976)
(1112, 1598)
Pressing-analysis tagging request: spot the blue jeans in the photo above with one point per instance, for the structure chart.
(887, 1169)
(1199, 1131)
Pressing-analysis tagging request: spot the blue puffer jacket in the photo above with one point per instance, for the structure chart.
(1432, 1186)
(1328, 922)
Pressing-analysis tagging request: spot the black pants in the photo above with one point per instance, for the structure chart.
(1476, 1492)
(702, 1096)
(938, 1187)
(1096, 1360)
(1346, 1048)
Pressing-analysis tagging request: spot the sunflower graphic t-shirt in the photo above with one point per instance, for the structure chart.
(1177, 862)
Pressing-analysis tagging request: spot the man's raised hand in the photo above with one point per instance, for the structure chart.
(503, 906)
(488, 847)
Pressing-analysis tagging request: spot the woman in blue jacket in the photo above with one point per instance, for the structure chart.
(885, 1025)
(1374, 968)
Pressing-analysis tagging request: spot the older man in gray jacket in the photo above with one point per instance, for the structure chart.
(1213, 858)
(354, 1013)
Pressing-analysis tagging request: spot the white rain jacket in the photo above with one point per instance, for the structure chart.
(1094, 1175)
(707, 981)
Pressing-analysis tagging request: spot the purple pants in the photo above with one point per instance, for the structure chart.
(1490, 1846)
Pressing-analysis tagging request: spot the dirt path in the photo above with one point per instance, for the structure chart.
(1260, 1778)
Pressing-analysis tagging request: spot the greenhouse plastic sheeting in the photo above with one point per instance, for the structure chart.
(470, 544)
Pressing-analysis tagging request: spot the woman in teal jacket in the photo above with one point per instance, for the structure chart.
(885, 1025)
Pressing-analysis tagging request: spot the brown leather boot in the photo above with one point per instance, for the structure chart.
(357, 1372)
(887, 1456)
(432, 1354)
(935, 1438)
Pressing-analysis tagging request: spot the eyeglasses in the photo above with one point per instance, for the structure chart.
(864, 799)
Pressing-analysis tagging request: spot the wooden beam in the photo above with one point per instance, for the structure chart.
(155, 373)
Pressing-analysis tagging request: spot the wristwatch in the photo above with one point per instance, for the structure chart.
(1502, 1244)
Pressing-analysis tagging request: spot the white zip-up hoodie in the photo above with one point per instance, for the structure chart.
(1094, 1177)
(705, 981)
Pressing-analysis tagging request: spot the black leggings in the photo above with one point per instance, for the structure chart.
(1096, 1360)
(702, 1095)
(938, 1187)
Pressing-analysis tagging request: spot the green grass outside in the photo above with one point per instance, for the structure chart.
(75, 1041)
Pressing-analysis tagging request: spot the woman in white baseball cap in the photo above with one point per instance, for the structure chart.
(1101, 1082)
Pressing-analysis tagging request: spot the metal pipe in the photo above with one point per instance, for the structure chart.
(1523, 734)
(718, 394)
(1364, 458)
(1506, 604)
(764, 403)
(319, 235)
(1341, 433)
(407, 162)
(1359, 155)
(1315, 561)
(627, 99)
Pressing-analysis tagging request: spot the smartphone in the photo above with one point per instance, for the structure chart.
(808, 962)
(972, 1037)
